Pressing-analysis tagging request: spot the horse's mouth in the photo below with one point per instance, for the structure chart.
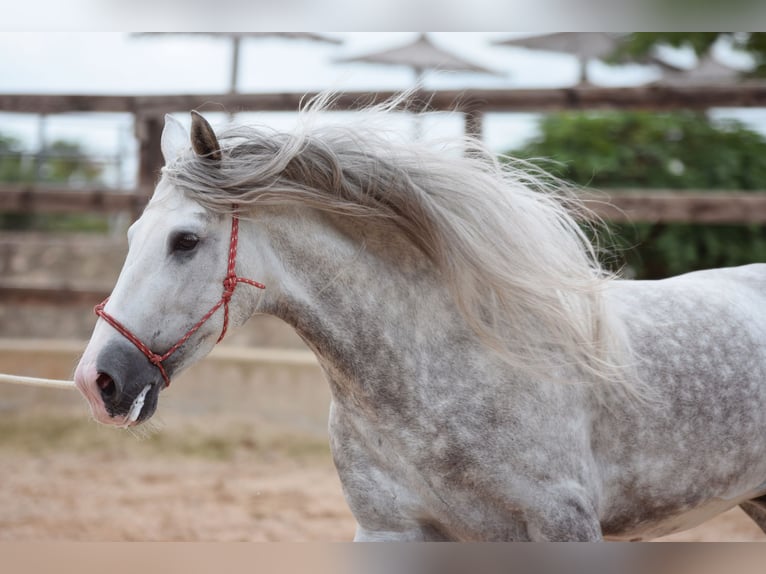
(128, 413)
(136, 411)
(113, 404)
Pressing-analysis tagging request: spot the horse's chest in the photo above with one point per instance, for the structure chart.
(448, 476)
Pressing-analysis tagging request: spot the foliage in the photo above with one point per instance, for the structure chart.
(64, 162)
(662, 151)
(68, 162)
(11, 161)
(639, 45)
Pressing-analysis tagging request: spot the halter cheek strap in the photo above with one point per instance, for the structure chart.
(230, 283)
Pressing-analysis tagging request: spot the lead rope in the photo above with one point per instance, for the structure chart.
(230, 283)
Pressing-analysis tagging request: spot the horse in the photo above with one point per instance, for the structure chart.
(490, 380)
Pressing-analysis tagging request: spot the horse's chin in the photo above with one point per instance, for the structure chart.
(144, 412)
(130, 419)
(100, 413)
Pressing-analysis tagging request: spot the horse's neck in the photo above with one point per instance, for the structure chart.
(367, 302)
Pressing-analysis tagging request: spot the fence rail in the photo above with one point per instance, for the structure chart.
(674, 206)
(619, 205)
(32, 199)
(57, 295)
(653, 97)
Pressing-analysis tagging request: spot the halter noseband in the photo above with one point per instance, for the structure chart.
(230, 283)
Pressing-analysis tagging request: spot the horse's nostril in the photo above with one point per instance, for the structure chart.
(106, 385)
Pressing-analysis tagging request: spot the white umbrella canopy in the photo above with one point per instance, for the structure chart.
(583, 45)
(707, 71)
(420, 55)
(236, 39)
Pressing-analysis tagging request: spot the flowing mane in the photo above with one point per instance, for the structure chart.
(504, 235)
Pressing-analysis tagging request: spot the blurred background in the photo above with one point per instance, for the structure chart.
(665, 134)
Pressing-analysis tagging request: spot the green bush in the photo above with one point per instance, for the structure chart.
(65, 161)
(680, 150)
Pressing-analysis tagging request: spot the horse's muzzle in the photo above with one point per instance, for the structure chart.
(113, 384)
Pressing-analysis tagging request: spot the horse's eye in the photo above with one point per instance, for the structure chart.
(185, 242)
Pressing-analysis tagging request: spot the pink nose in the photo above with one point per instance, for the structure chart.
(95, 387)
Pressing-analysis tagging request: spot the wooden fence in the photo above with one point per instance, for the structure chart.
(662, 206)
(148, 111)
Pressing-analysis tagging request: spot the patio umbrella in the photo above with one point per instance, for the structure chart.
(583, 45)
(236, 40)
(420, 55)
(707, 71)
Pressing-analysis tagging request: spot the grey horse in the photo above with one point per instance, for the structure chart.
(489, 380)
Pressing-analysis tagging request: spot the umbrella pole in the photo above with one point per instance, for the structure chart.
(235, 45)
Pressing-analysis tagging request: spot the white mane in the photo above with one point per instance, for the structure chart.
(503, 234)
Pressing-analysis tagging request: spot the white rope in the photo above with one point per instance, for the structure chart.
(50, 383)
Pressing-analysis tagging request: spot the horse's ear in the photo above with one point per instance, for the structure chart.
(203, 139)
(175, 139)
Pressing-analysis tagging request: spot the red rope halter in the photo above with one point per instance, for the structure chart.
(230, 283)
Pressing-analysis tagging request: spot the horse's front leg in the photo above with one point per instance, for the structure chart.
(562, 517)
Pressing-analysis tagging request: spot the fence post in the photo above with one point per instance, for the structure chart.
(149, 133)
(474, 123)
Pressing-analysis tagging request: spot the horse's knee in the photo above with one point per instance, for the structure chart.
(566, 518)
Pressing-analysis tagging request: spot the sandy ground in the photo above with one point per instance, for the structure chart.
(66, 479)
(90, 498)
(63, 478)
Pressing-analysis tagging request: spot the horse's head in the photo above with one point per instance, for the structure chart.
(171, 301)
